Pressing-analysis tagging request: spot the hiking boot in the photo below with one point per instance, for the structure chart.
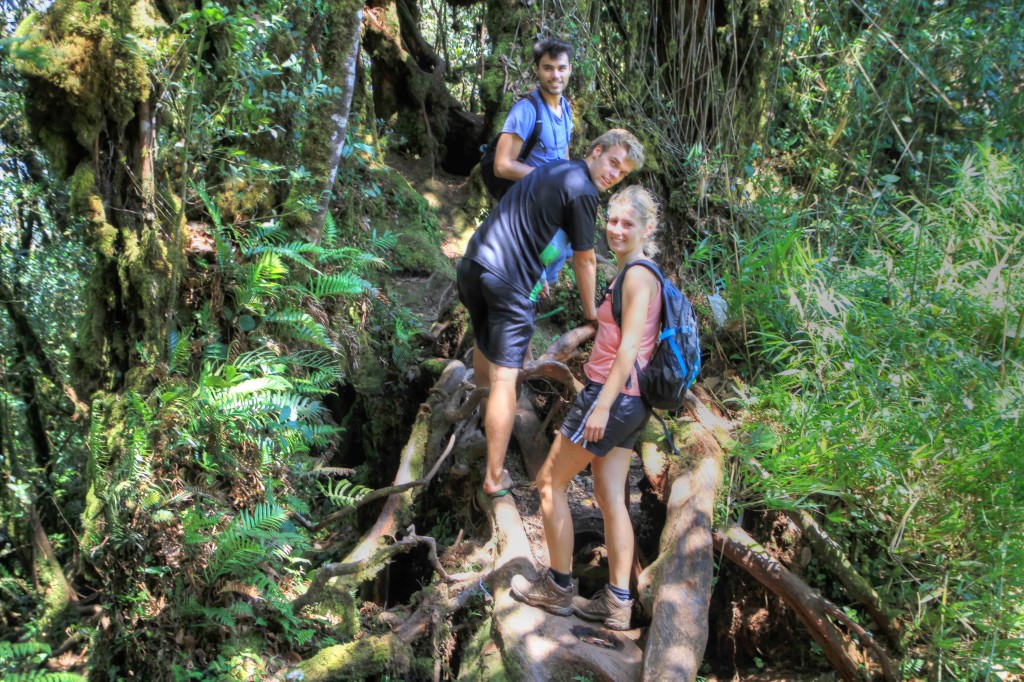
(605, 607)
(545, 594)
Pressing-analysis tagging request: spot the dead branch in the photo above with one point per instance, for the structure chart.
(390, 490)
(411, 463)
(835, 560)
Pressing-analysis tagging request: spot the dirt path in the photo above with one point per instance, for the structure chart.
(447, 194)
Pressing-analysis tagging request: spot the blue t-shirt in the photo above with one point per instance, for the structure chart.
(555, 135)
(553, 144)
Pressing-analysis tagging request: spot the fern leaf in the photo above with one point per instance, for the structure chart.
(260, 385)
(341, 284)
(300, 325)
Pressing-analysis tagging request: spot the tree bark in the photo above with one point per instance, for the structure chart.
(409, 89)
(536, 645)
(676, 587)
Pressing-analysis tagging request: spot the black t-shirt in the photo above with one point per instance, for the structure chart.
(521, 236)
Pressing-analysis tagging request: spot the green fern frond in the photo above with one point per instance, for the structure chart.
(300, 325)
(341, 284)
(211, 207)
(261, 281)
(270, 232)
(344, 493)
(19, 651)
(179, 350)
(215, 351)
(258, 358)
(42, 676)
(355, 258)
(259, 385)
(384, 242)
(292, 251)
(318, 383)
(97, 437)
(329, 235)
(316, 359)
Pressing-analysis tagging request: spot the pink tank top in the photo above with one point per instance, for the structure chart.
(609, 336)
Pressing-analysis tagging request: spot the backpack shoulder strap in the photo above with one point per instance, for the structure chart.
(538, 126)
(617, 290)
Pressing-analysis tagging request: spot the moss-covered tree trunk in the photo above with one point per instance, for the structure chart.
(92, 102)
(323, 140)
(410, 92)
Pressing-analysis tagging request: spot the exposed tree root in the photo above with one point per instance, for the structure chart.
(523, 643)
(812, 608)
(676, 588)
(315, 593)
(536, 645)
(390, 651)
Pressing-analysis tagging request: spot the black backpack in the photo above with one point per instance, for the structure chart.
(675, 362)
(498, 186)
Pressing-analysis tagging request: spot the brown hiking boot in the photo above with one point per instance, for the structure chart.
(545, 594)
(606, 607)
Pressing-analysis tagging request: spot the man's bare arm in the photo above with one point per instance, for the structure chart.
(506, 155)
(585, 264)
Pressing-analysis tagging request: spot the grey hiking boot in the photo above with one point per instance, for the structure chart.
(545, 594)
(605, 607)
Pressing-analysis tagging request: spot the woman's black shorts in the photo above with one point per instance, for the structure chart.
(626, 419)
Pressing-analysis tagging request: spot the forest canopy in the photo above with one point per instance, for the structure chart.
(238, 439)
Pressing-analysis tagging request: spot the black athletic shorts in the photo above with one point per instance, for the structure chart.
(626, 419)
(502, 317)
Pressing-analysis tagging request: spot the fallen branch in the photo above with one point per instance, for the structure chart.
(411, 462)
(835, 560)
(381, 493)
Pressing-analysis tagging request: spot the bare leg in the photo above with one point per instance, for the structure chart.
(610, 474)
(565, 460)
(482, 375)
(498, 420)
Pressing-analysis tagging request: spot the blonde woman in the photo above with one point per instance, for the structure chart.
(603, 425)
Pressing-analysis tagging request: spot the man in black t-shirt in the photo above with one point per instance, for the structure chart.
(555, 204)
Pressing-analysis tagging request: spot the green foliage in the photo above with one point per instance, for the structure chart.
(22, 662)
(894, 391)
(344, 493)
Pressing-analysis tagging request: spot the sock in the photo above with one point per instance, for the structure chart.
(623, 595)
(561, 579)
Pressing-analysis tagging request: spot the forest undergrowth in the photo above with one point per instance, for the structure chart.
(864, 228)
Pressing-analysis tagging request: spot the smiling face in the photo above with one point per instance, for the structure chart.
(625, 230)
(608, 166)
(553, 73)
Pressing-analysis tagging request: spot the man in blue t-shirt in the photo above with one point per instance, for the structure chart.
(555, 203)
(551, 64)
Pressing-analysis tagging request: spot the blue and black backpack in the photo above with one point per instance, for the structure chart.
(675, 362)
